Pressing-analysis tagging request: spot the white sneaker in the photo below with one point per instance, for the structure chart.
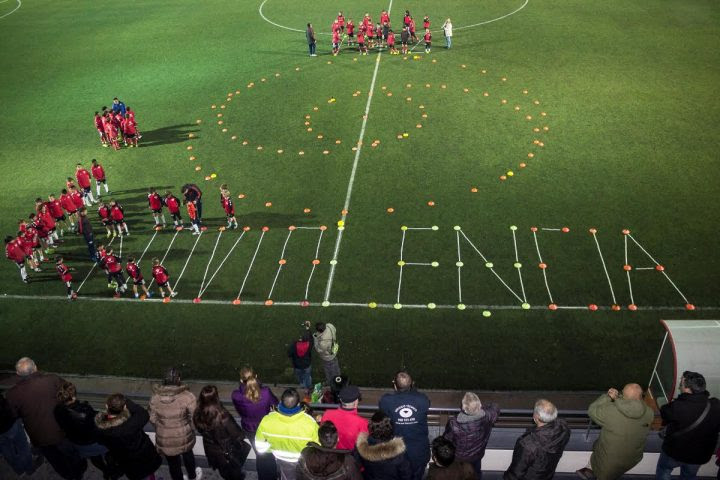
(174, 294)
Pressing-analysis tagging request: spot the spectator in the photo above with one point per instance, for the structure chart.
(325, 461)
(692, 425)
(86, 230)
(346, 419)
(286, 432)
(445, 466)
(408, 410)
(470, 431)
(33, 398)
(382, 455)
(14, 446)
(77, 419)
(448, 31)
(310, 36)
(625, 421)
(120, 429)
(192, 193)
(325, 341)
(300, 352)
(253, 401)
(224, 441)
(538, 450)
(171, 410)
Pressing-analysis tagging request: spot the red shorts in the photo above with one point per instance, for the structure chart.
(66, 278)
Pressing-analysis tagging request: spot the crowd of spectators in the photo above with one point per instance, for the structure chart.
(290, 442)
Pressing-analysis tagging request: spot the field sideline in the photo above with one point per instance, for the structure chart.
(558, 160)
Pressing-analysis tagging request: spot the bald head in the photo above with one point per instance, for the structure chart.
(632, 391)
(25, 366)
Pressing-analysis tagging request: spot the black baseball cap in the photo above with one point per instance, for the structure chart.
(349, 394)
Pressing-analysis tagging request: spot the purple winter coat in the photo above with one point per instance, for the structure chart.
(251, 413)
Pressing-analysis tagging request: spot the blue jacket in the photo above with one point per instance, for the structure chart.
(118, 107)
(408, 411)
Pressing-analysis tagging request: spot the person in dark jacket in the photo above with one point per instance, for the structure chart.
(120, 430)
(224, 441)
(77, 419)
(538, 451)
(253, 401)
(192, 193)
(310, 37)
(470, 431)
(683, 446)
(33, 398)
(408, 410)
(14, 446)
(381, 454)
(445, 465)
(300, 352)
(324, 461)
(86, 230)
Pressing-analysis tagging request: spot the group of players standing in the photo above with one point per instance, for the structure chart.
(377, 35)
(117, 124)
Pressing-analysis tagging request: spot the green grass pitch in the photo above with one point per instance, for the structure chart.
(545, 114)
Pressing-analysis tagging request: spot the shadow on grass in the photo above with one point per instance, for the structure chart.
(167, 135)
(139, 190)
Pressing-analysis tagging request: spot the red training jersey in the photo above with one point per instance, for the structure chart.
(336, 36)
(227, 205)
(391, 39)
(426, 23)
(47, 219)
(160, 275)
(155, 201)
(14, 252)
(83, 178)
(428, 37)
(192, 210)
(67, 203)
(111, 130)
(99, 123)
(341, 20)
(172, 203)
(128, 126)
(55, 208)
(98, 172)
(25, 244)
(104, 213)
(116, 213)
(134, 271)
(412, 26)
(384, 17)
(77, 199)
(112, 263)
(64, 272)
(361, 37)
(350, 28)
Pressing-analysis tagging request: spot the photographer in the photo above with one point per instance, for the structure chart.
(625, 421)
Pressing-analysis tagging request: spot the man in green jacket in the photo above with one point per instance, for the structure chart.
(625, 420)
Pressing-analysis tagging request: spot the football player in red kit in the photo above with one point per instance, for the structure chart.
(384, 17)
(162, 277)
(106, 220)
(113, 265)
(361, 41)
(118, 217)
(227, 205)
(98, 173)
(173, 206)
(428, 40)
(111, 132)
(83, 180)
(351, 32)
(391, 43)
(426, 23)
(68, 205)
(26, 244)
(155, 203)
(129, 131)
(56, 210)
(133, 271)
(100, 127)
(15, 253)
(76, 198)
(335, 41)
(65, 276)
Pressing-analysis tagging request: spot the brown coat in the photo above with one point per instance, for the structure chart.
(33, 398)
(171, 410)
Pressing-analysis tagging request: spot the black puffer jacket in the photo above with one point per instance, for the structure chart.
(127, 442)
(538, 451)
(470, 434)
(318, 463)
(698, 445)
(383, 460)
(78, 422)
(7, 419)
(226, 437)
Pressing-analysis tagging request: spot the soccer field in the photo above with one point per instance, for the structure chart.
(516, 212)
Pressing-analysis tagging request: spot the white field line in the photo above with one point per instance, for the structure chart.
(19, 4)
(607, 275)
(312, 271)
(414, 46)
(280, 266)
(121, 245)
(63, 298)
(146, 247)
(627, 273)
(419, 264)
(675, 286)
(207, 267)
(420, 228)
(644, 268)
(519, 270)
(202, 291)
(643, 249)
(657, 263)
(459, 268)
(165, 256)
(537, 248)
(551, 229)
(252, 261)
(492, 269)
(92, 268)
(260, 11)
(351, 182)
(187, 261)
(402, 248)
